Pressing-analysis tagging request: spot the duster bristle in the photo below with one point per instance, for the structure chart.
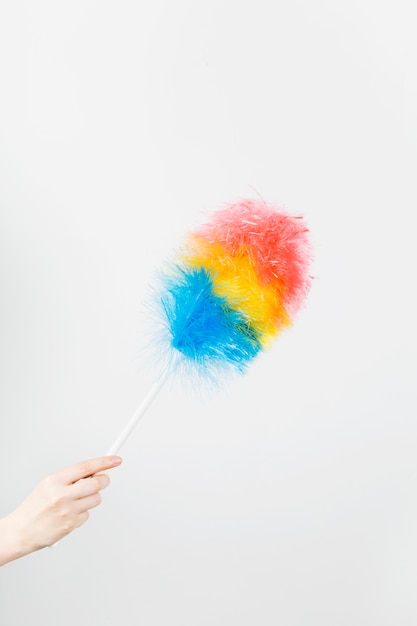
(239, 281)
(202, 324)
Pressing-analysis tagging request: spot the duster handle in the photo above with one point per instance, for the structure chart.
(131, 424)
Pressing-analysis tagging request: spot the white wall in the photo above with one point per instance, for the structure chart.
(289, 498)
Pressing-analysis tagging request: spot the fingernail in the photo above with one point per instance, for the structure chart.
(116, 460)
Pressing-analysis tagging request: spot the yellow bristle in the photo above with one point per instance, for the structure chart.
(235, 279)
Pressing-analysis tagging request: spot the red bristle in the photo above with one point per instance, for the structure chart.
(277, 241)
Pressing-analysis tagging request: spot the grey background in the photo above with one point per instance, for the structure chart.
(289, 497)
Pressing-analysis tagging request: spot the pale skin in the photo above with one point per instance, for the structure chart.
(58, 505)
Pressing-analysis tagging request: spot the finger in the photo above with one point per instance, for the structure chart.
(90, 502)
(71, 474)
(87, 487)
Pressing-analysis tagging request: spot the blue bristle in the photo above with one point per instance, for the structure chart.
(202, 326)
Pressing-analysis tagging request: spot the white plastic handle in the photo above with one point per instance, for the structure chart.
(140, 411)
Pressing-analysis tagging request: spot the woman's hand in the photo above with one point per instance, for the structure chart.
(58, 504)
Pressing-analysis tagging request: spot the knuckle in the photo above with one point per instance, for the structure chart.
(93, 501)
(104, 481)
(82, 518)
(85, 468)
(68, 526)
(58, 504)
(47, 479)
(63, 513)
(94, 485)
(98, 483)
(48, 483)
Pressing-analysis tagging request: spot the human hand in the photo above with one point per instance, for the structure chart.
(58, 504)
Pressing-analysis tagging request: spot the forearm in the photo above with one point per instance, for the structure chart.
(12, 545)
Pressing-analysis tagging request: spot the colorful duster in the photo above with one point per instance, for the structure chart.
(237, 283)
